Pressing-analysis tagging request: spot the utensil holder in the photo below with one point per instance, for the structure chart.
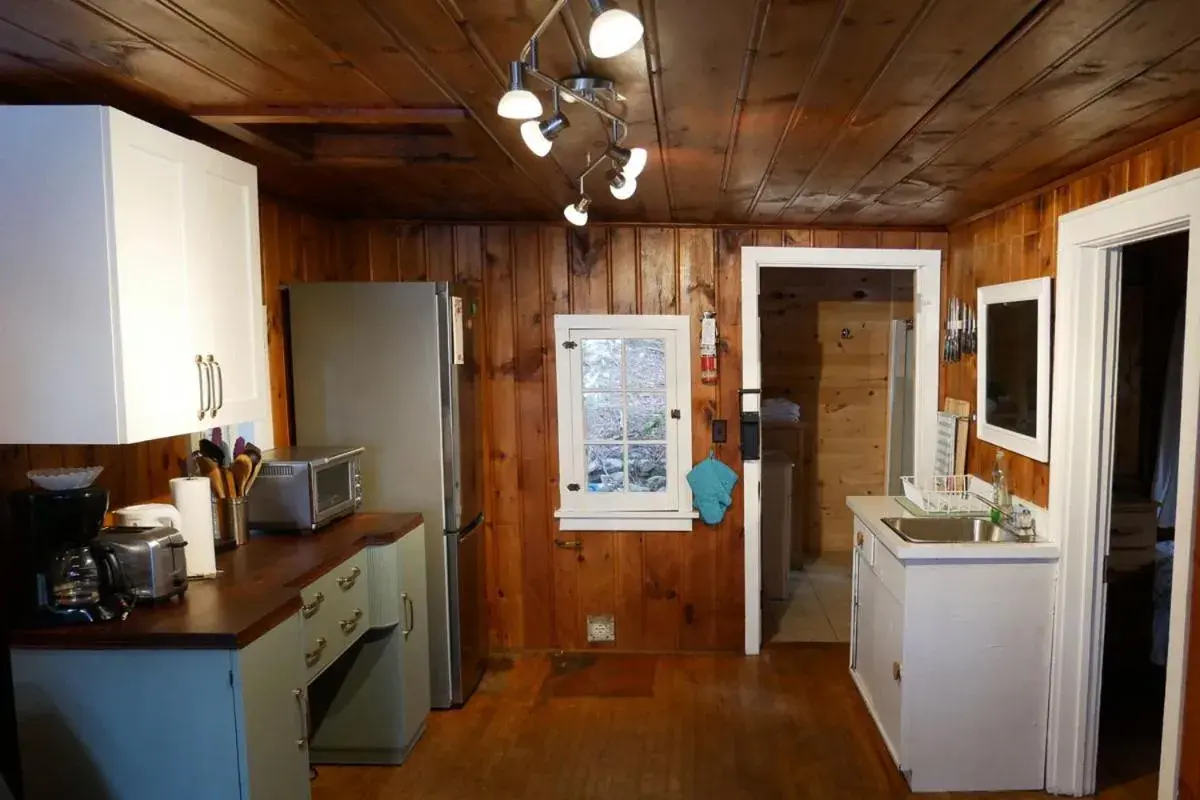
(231, 521)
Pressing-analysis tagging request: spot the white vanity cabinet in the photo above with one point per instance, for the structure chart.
(952, 657)
(130, 281)
(143, 724)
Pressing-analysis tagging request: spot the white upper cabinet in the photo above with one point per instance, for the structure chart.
(227, 280)
(130, 282)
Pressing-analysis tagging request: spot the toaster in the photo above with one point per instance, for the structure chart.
(152, 560)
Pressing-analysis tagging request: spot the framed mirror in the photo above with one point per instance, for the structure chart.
(1013, 372)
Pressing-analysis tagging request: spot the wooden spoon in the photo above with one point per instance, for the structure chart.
(255, 456)
(242, 469)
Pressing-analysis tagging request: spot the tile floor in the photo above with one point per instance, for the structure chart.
(819, 610)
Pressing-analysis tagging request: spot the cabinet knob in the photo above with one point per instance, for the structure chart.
(346, 582)
(896, 671)
(309, 609)
(859, 539)
(348, 625)
(313, 656)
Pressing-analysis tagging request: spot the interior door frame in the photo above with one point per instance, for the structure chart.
(927, 300)
(1083, 403)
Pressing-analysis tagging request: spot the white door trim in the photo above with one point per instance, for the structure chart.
(927, 264)
(1083, 402)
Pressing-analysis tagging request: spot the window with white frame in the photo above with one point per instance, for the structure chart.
(624, 422)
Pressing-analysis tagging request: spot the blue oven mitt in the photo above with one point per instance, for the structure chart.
(712, 485)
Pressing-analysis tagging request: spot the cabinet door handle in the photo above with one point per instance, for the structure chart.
(204, 403)
(302, 708)
(220, 386)
(346, 582)
(409, 616)
(348, 625)
(214, 369)
(896, 671)
(309, 609)
(313, 656)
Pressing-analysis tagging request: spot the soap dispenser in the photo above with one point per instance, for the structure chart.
(1001, 495)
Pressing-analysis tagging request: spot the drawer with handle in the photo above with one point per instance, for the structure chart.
(334, 611)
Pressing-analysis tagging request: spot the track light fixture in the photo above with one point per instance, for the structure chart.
(539, 135)
(613, 32)
(518, 102)
(577, 212)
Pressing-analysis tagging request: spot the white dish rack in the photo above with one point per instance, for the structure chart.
(943, 494)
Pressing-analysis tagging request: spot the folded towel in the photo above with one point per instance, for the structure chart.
(712, 485)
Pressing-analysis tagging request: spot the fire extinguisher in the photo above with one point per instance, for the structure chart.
(708, 349)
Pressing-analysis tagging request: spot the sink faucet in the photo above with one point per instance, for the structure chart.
(1016, 519)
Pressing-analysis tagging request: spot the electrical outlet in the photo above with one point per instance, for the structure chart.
(601, 628)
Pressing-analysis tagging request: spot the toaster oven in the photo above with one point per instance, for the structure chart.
(304, 488)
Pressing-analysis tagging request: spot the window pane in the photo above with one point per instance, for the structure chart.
(647, 363)
(605, 468)
(603, 417)
(647, 467)
(601, 363)
(647, 417)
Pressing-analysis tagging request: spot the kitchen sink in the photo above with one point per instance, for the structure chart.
(928, 530)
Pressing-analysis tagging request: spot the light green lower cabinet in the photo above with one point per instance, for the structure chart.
(370, 706)
(150, 724)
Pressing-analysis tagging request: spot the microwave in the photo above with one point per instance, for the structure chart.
(304, 488)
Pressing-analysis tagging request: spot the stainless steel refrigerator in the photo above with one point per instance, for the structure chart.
(394, 367)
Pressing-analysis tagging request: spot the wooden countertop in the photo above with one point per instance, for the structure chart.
(257, 588)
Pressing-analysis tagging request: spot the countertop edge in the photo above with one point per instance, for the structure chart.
(289, 603)
(871, 509)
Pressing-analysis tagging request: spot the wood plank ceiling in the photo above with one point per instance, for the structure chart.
(797, 112)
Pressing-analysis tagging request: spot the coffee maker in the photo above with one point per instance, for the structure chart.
(63, 574)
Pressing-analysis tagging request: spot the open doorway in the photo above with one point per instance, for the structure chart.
(837, 411)
(1153, 283)
(1093, 243)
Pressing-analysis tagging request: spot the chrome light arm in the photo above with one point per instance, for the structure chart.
(541, 28)
(594, 106)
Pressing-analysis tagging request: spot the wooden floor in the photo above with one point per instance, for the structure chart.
(786, 725)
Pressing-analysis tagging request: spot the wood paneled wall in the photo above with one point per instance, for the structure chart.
(1020, 241)
(839, 381)
(667, 591)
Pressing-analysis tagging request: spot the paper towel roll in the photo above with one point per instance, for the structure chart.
(193, 498)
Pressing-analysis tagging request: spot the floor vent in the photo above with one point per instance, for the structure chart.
(601, 628)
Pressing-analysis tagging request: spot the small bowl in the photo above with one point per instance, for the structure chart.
(57, 479)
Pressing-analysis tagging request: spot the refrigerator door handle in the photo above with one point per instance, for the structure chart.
(462, 533)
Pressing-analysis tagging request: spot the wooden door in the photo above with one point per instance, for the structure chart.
(162, 384)
(226, 292)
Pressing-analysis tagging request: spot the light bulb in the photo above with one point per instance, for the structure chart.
(626, 189)
(614, 32)
(577, 213)
(519, 104)
(637, 162)
(531, 132)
